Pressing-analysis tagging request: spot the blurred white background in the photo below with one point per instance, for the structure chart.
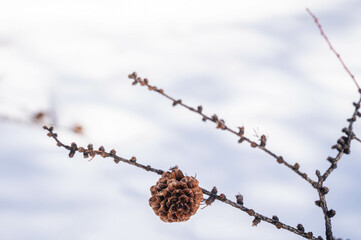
(261, 64)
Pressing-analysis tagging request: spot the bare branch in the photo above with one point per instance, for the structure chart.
(332, 49)
(89, 151)
(220, 124)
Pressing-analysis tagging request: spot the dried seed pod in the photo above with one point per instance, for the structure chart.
(175, 197)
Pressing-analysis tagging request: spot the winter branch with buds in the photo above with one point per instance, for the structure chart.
(176, 197)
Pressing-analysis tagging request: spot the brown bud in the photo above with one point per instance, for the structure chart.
(239, 198)
(296, 166)
(256, 221)
(241, 131)
(177, 102)
(250, 212)
(116, 160)
(280, 159)
(77, 129)
(278, 225)
(331, 213)
(222, 197)
(112, 152)
(324, 190)
(253, 144)
(300, 227)
(133, 159)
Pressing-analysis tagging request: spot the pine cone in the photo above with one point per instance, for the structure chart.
(175, 197)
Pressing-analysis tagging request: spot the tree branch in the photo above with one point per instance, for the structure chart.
(220, 124)
(332, 49)
(90, 152)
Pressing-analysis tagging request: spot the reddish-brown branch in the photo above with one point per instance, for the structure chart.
(220, 124)
(133, 161)
(332, 48)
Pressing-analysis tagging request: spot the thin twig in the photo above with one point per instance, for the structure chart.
(332, 49)
(133, 161)
(220, 124)
(38, 120)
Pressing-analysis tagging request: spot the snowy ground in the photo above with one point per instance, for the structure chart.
(262, 64)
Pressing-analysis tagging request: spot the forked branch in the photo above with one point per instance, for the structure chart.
(90, 152)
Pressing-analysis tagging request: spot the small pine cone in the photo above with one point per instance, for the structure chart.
(175, 197)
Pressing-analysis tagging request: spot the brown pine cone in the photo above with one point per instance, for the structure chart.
(175, 197)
